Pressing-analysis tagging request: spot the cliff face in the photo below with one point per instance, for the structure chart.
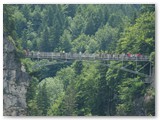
(15, 82)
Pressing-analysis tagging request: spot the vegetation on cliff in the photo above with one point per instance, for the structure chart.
(81, 87)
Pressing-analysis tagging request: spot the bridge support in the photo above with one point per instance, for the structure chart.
(103, 57)
(147, 76)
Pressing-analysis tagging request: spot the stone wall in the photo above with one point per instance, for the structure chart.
(15, 82)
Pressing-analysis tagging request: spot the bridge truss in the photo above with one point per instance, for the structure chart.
(69, 57)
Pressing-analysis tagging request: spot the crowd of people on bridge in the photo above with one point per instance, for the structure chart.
(102, 55)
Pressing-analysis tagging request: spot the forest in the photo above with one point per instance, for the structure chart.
(84, 88)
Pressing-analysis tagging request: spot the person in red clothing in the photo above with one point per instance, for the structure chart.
(139, 55)
(128, 54)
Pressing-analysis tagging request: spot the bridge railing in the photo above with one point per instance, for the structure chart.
(87, 56)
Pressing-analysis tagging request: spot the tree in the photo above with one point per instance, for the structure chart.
(20, 22)
(76, 26)
(82, 87)
(101, 98)
(65, 77)
(92, 46)
(36, 18)
(106, 38)
(129, 92)
(43, 101)
(69, 107)
(78, 66)
(65, 41)
(31, 97)
(8, 20)
(80, 43)
(144, 39)
(45, 43)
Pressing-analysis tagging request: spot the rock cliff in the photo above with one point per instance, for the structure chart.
(15, 82)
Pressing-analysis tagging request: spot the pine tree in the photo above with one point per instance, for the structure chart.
(43, 102)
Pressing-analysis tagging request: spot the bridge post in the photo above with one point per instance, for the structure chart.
(122, 60)
(38, 55)
(66, 55)
(52, 56)
(80, 53)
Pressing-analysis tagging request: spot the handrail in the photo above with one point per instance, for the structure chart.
(87, 56)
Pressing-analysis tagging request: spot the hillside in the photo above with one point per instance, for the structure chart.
(85, 88)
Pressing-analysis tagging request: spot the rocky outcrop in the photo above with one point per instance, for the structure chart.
(15, 82)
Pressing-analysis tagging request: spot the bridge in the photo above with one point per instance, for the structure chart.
(98, 57)
(87, 56)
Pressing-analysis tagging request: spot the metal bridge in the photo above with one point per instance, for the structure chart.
(99, 57)
(87, 56)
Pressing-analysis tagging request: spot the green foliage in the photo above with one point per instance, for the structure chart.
(152, 57)
(81, 87)
(142, 35)
(28, 63)
(78, 66)
(150, 102)
(76, 26)
(65, 41)
(80, 43)
(8, 20)
(115, 21)
(66, 79)
(106, 38)
(32, 108)
(92, 46)
(45, 43)
(69, 101)
(56, 108)
(20, 22)
(31, 92)
(42, 99)
(129, 90)
(53, 87)
(86, 87)
(148, 8)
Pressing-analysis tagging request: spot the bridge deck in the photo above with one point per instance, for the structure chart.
(86, 56)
